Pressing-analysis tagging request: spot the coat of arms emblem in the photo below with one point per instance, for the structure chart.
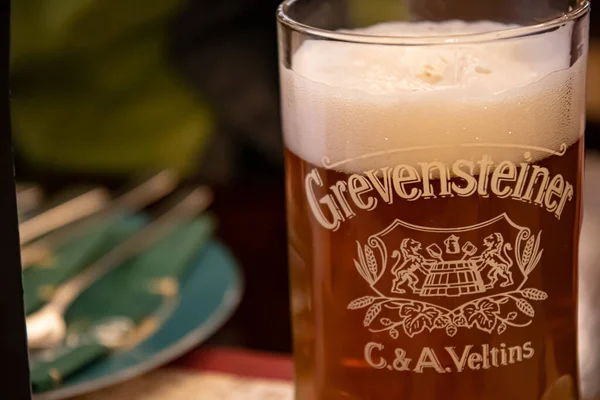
(425, 278)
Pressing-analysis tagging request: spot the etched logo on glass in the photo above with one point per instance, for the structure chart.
(412, 281)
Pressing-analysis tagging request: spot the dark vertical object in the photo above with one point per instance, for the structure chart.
(13, 339)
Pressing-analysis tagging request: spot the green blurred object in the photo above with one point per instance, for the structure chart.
(41, 280)
(366, 13)
(93, 90)
(115, 306)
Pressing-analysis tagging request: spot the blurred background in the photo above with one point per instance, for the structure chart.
(163, 84)
(104, 90)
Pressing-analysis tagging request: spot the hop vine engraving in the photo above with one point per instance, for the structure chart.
(451, 330)
(525, 307)
(372, 313)
(534, 294)
(361, 303)
(501, 328)
(366, 265)
(371, 262)
(528, 250)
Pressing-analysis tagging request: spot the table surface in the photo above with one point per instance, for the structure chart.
(211, 374)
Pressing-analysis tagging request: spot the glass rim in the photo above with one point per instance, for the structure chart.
(582, 8)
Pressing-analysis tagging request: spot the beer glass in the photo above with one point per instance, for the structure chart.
(434, 158)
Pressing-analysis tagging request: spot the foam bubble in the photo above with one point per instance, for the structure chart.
(347, 101)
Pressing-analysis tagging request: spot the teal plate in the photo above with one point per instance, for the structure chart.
(209, 296)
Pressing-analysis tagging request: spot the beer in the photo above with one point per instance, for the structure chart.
(434, 213)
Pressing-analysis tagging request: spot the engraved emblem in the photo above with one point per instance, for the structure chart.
(452, 244)
(415, 280)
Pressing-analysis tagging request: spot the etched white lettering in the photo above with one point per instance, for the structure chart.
(428, 359)
(357, 186)
(434, 170)
(503, 357)
(369, 348)
(505, 172)
(401, 362)
(475, 360)
(533, 179)
(364, 192)
(494, 351)
(566, 196)
(485, 164)
(515, 354)
(556, 188)
(314, 178)
(338, 191)
(461, 361)
(383, 187)
(470, 181)
(521, 180)
(467, 358)
(486, 356)
(528, 351)
(405, 175)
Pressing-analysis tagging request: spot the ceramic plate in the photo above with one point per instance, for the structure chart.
(209, 296)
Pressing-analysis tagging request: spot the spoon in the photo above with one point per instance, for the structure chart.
(46, 328)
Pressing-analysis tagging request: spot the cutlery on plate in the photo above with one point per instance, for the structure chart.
(135, 198)
(46, 328)
(62, 213)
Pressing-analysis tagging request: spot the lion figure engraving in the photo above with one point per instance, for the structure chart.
(413, 261)
(499, 263)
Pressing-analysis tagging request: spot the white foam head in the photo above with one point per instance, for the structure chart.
(346, 101)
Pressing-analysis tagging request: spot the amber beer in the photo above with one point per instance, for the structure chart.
(434, 208)
(353, 341)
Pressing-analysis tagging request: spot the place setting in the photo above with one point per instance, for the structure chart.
(117, 284)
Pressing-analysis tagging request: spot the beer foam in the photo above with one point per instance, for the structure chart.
(367, 106)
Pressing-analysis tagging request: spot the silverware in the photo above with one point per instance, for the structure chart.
(134, 199)
(46, 328)
(66, 212)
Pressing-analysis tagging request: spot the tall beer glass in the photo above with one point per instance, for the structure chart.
(434, 159)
